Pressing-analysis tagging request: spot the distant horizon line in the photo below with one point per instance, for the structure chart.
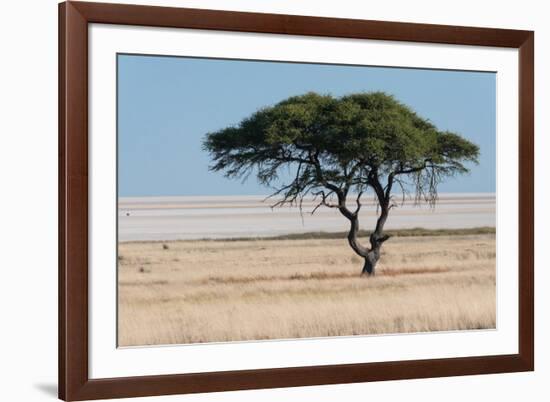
(444, 193)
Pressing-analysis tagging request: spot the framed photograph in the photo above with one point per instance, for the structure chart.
(260, 200)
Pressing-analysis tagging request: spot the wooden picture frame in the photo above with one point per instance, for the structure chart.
(74, 381)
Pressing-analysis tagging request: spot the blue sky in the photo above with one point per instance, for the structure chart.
(167, 104)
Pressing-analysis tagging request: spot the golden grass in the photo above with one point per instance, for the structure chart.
(211, 291)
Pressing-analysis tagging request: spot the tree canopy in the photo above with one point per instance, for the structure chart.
(347, 142)
(338, 146)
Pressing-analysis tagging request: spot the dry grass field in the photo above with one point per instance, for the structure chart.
(215, 291)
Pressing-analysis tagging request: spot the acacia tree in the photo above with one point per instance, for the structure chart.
(336, 149)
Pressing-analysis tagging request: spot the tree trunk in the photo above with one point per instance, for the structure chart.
(369, 268)
(372, 255)
(377, 238)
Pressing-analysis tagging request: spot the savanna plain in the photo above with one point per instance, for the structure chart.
(192, 291)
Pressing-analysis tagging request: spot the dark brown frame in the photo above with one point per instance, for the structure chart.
(74, 383)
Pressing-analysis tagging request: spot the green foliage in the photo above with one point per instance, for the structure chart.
(341, 145)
